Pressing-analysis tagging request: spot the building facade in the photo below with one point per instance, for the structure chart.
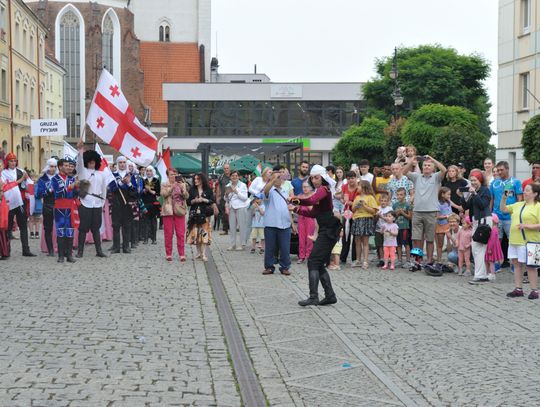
(53, 105)
(313, 114)
(518, 78)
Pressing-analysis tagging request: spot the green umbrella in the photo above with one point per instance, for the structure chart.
(186, 163)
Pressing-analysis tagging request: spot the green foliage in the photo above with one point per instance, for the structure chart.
(366, 141)
(393, 139)
(457, 143)
(432, 74)
(531, 140)
(425, 123)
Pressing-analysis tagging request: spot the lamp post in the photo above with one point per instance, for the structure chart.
(396, 94)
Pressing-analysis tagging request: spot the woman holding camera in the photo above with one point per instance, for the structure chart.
(201, 201)
(173, 213)
(477, 200)
(525, 228)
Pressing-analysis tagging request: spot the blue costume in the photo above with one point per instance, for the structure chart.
(44, 191)
(64, 195)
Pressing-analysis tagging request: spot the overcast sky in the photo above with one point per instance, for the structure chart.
(338, 40)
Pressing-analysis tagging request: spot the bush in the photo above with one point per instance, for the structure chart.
(531, 140)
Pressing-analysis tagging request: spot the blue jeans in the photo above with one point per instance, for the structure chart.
(504, 228)
(276, 239)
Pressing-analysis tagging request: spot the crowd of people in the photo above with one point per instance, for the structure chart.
(414, 213)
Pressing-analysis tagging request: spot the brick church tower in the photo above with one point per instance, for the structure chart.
(142, 43)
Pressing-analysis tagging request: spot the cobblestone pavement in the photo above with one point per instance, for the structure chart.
(394, 338)
(131, 330)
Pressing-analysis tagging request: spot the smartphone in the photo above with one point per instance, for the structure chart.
(463, 189)
(178, 178)
(420, 158)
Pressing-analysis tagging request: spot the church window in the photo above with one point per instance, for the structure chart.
(164, 33)
(107, 44)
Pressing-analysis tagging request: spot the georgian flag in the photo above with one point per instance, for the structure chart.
(114, 122)
(109, 177)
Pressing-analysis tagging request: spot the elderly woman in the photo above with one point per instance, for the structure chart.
(201, 201)
(525, 228)
(150, 194)
(319, 206)
(477, 200)
(173, 213)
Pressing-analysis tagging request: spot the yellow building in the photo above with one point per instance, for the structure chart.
(53, 106)
(22, 80)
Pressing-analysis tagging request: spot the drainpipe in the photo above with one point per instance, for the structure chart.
(11, 76)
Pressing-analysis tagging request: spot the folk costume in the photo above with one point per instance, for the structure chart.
(328, 235)
(136, 205)
(45, 192)
(13, 193)
(150, 194)
(122, 215)
(93, 192)
(65, 214)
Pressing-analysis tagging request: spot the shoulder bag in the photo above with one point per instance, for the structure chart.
(482, 232)
(533, 248)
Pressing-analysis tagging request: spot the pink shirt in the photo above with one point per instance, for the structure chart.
(464, 239)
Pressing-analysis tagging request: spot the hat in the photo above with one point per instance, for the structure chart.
(460, 165)
(121, 158)
(50, 162)
(320, 170)
(11, 157)
(92, 155)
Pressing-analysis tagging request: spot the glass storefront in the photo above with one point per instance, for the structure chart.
(262, 118)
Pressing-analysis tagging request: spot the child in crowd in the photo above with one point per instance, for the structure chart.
(494, 253)
(257, 225)
(403, 212)
(365, 175)
(364, 210)
(384, 208)
(34, 221)
(451, 240)
(306, 228)
(390, 230)
(464, 241)
(335, 263)
(445, 210)
(411, 153)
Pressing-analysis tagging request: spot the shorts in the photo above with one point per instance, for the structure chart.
(517, 252)
(423, 226)
(363, 227)
(379, 239)
(442, 228)
(404, 237)
(337, 248)
(257, 233)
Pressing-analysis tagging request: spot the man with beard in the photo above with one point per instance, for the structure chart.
(223, 181)
(123, 191)
(45, 192)
(14, 180)
(303, 176)
(65, 191)
(92, 198)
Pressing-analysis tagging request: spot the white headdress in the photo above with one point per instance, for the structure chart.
(50, 162)
(320, 170)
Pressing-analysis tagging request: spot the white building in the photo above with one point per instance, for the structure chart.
(518, 78)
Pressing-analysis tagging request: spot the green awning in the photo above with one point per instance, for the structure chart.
(185, 163)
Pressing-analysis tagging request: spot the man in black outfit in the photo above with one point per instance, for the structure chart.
(44, 191)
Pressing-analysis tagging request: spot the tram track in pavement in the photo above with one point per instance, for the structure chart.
(248, 383)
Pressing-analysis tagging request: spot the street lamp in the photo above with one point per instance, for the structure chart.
(396, 94)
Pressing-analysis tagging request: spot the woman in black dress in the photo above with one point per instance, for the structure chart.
(201, 200)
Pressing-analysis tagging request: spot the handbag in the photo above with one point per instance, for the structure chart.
(533, 248)
(179, 208)
(482, 233)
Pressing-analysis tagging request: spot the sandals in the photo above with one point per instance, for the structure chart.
(182, 259)
(365, 265)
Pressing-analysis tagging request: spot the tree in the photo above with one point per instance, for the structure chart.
(366, 141)
(425, 123)
(531, 140)
(460, 144)
(393, 139)
(431, 74)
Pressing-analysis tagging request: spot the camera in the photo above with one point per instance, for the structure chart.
(178, 178)
(421, 158)
(463, 189)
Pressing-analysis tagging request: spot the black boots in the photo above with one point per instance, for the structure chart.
(49, 243)
(329, 295)
(313, 289)
(97, 242)
(68, 241)
(61, 249)
(80, 245)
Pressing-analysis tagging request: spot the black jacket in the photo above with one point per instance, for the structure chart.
(478, 204)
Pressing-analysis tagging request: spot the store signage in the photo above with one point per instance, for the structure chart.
(48, 127)
(286, 91)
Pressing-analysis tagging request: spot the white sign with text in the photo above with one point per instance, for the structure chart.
(48, 127)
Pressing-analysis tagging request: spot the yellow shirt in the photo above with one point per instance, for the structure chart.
(381, 184)
(529, 216)
(361, 212)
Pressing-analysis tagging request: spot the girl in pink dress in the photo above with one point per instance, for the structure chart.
(494, 253)
(306, 228)
(464, 241)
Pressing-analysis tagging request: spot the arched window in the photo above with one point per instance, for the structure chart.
(107, 43)
(164, 32)
(70, 52)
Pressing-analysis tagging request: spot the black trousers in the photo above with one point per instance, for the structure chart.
(90, 222)
(122, 216)
(135, 226)
(48, 223)
(19, 213)
(150, 227)
(347, 240)
(224, 216)
(317, 261)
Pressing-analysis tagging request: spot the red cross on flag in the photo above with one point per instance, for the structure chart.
(113, 121)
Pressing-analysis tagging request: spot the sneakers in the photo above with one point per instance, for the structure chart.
(533, 295)
(231, 249)
(300, 261)
(517, 292)
(491, 277)
(365, 265)
(385, 267)
(268, 271)
(380, 263)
